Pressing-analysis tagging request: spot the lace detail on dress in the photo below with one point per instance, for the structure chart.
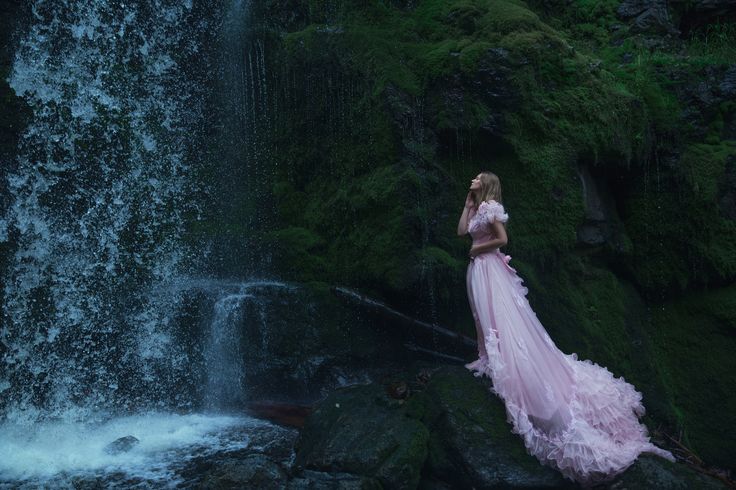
(488, 212)
(548, 393)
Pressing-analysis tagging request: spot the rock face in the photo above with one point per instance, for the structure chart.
(299, 341)
(652, 472)
(648, 16)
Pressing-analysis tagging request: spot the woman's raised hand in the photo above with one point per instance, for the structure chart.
(469, 201)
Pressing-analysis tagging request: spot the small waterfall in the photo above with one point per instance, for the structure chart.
(226, 331)
(225, 366)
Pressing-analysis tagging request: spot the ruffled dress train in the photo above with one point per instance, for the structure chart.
(572, 414)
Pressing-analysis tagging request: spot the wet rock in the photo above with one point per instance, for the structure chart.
(299, 342)
(450, 430)
(460, 427)
(649, 16)
(122, 445)
(602, 224)
(251, 471)
(727, 198)
(360, 430)
(698, 14)
(316, 480)
(471, 444)
(654, 472)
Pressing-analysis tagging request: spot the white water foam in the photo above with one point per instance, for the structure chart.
(55, 451)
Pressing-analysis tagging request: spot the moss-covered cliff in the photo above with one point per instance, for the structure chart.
(613, 133)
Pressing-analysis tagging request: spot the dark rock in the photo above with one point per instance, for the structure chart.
(650, 16)
(298, 343)
(727, 86)
(252, 471)
(268, 453)
(316, 480)
(654, 472)
(122, 445)
(702, 94)
(471, 444)
(699, 14)
(489, 85)
(453, 429)
(727, 198)
(602, 224)
(359, 430)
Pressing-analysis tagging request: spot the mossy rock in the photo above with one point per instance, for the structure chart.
(694, 342)
(360, 430)
(652, 472)
(254, 471)
(471, 443)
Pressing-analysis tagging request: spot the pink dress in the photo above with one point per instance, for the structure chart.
(573, 415)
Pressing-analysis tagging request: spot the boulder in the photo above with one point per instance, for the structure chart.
(122, 445)
(652, 472)
(252, 471)
(360, 430)
(471, 444)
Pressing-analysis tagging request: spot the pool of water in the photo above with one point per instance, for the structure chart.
(72, 454)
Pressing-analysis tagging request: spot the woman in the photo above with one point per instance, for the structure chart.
(573, 415)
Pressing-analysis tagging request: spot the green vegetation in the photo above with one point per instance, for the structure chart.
(694, 342)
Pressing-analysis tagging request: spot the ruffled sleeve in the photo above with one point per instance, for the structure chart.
(491, 211)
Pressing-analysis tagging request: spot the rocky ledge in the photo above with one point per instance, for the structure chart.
(439, 427)
(429, 427)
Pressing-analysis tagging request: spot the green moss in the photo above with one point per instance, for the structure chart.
(704, 165)
(507, 16)
(694, 344)
(471, 55)
(663, 259)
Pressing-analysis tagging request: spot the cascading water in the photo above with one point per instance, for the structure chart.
(99, 195)
(104, 181)
(224, 359)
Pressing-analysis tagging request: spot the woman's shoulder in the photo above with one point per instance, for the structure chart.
(494, 210)
(491, 203)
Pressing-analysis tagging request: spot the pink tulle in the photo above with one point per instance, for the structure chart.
(572, 414)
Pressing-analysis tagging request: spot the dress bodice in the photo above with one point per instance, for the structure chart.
(479, 225)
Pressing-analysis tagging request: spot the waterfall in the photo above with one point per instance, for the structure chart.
(223, 355)
(99, 193)
(116, 320)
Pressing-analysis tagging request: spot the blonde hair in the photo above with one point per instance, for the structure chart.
(490, 188)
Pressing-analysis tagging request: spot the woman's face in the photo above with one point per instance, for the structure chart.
(475, 183)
